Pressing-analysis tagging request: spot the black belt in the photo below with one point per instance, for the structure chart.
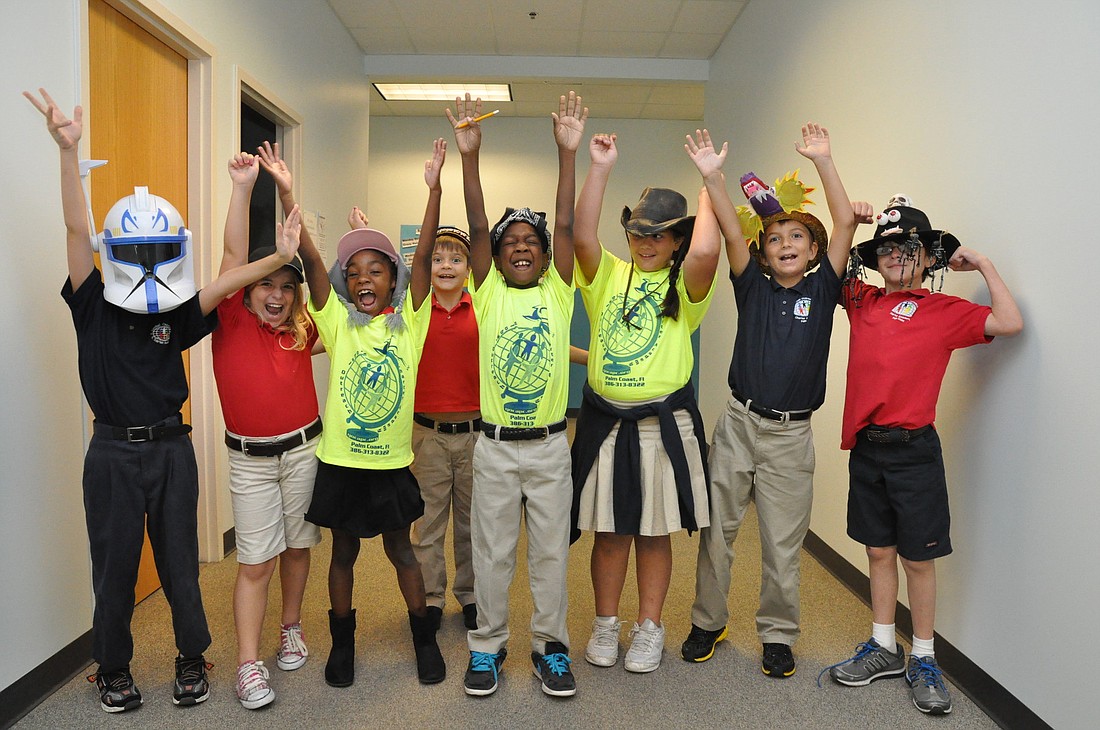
(770, 413)
(274, 447)
(168, 428)
(507, 433)
(447, 427)
(881, 435)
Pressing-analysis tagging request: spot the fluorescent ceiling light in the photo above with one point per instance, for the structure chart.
(443, 92)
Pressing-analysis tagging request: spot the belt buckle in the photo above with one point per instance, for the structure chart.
(450, 428)
(245, 442)
(134, 434)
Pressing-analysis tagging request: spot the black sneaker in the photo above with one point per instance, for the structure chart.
(778, 661)
(700, 643)
(553, 669)
(469, 616)
(481, 675)
(191, 686)
(117, 691)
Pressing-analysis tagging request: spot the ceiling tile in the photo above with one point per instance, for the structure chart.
(621, 44)
(365, 13)
(509, 15)
(383, 40)
(707, 16)
(690, 45)
(643, 17)
(532, 42)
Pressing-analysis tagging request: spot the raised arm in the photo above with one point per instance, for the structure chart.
(243, 171)
(421, 282)
(817, 147)
(568, 132)
(74, 207)
(316, 275)
(709, 162)
(229, 281)
(468, 139)
(1005, 319)
(586, 230)
(701, 260)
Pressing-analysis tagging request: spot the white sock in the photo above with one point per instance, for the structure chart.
(884, 635)
(607, 620)
(923, 647)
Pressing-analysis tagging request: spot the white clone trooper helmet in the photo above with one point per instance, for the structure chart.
(146, 255)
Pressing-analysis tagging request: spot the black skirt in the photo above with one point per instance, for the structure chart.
(365, 502)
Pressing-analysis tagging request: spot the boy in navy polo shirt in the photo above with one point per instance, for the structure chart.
(763, 446)
(902, 338)
(140, 465)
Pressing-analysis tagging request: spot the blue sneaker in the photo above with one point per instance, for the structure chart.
(553, 669)
(482, 674)
(925, 680)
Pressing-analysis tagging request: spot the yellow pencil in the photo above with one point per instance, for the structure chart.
(483, 117)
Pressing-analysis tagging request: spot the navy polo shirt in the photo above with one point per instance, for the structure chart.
(782, 344)
(130, 365)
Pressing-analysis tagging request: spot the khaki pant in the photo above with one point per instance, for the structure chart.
(444, 468)
(773, 463)
(514, 481)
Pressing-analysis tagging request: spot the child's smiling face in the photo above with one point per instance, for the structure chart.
(370, 279)
(520, 257)
(788, 249)
(450, 268)
(901, 270)
(272, 297)
(655, 251)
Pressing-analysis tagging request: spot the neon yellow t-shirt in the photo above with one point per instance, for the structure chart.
(523, 344)
(372, 381)
(635, 353)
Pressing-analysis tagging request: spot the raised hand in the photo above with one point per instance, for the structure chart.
(815, 142)
(357, 218)
(701, 151)
(271, 161)
(467, 138)
(602, 149)
(434, 166)
(569, 122)
(243, 169)
(66, 132)
(863, 211)
(288, 234)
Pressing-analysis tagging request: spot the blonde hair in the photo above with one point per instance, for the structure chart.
(299, 324)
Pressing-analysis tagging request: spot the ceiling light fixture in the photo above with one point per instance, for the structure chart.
(443, 92)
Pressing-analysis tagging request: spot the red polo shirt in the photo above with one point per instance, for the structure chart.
(447, 381)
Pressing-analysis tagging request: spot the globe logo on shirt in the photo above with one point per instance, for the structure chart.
(521, 361)
(629, 331)
(372, 389)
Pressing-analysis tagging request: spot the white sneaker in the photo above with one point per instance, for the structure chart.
(646, 644)
(292, 648)
(252, 688)
(603, 646)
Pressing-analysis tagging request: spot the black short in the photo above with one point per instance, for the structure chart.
(365, 502)
(897, 495)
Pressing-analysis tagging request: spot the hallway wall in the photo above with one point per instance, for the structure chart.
(983, 112)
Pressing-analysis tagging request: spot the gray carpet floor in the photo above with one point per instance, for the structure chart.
(729, 691)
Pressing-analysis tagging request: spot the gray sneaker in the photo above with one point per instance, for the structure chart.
(925, 679)
(870, 662)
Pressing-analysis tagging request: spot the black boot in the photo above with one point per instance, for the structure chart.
(430, 668)
(340, 669)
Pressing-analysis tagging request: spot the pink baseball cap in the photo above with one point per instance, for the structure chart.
(361, 239)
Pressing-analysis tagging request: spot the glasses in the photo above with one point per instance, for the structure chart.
(907, 248)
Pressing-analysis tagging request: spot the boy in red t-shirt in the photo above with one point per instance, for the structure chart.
(902, 338)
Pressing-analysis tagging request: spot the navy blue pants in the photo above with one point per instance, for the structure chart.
(125, 484)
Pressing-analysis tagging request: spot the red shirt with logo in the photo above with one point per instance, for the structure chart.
(898, 354)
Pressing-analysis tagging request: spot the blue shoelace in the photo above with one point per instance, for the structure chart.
(862, 650)
(558, 663)
(928, 673)
(481, 661)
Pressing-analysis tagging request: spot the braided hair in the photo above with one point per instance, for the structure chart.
(670, 307)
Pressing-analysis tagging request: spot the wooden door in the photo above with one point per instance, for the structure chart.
(137, 116)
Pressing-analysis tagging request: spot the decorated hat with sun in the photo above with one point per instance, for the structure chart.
(785, 201)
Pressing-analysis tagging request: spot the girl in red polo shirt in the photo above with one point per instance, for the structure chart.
(262, 352)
